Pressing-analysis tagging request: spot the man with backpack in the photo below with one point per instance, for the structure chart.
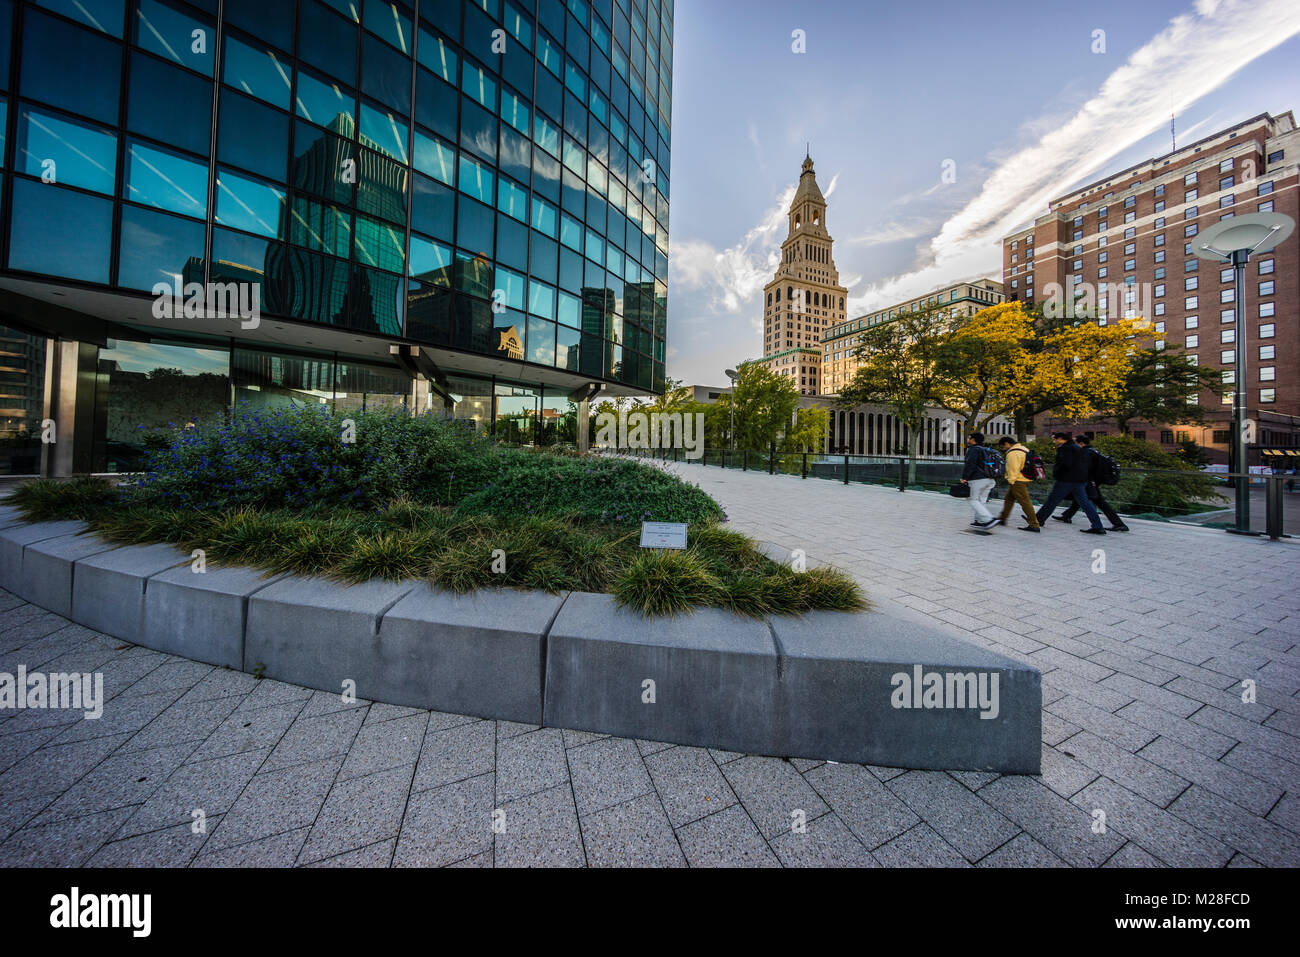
(980, 471)
(1023, 467)
(1070, 474)
(1101, 470)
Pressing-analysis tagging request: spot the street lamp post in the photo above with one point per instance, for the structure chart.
(733, 375)
(1233, 240)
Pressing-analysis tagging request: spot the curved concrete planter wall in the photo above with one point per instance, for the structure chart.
(824, 686)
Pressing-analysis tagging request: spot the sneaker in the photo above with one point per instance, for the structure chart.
(1028, 528)
(989, 524)
(1058, 518)
(1093, 531)
(1119, 528)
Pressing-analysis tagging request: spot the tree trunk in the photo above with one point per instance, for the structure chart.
(913, 447)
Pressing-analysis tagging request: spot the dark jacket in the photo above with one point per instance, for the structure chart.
(1072, 464)
(973, 467)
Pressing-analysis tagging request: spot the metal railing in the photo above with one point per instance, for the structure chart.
(1193, 497)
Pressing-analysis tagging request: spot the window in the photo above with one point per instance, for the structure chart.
(1227, 315)
(168, 30)
(1167, 437)
(60, 232)
(155, 88)
(1192, 342)
(1265, 267)
(1266, 330)
(328, 41)
(1191, 302)
(88, 83)
(1266, 288)
(1267, 396)
(1189, 230)
(1191, 322)
(1227, 335)
(1222, 436)
(156, 247)
(247, 204)
(1227, 295)
(1140, 436)
(166, 180)
(1191, 195)
(1264, 188)
(253, 136)
(68, 152)
(1265, 207)
(1191, 265)
(1267, 309)
(1266, 352)
(1276, 157)
(259, 72)
(1267, 373)
(1191, 282)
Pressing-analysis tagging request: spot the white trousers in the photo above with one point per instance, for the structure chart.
(979, 496)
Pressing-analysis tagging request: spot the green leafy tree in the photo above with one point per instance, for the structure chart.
(808, 432)
(1164, 387)
(765, 405)
(902, 370)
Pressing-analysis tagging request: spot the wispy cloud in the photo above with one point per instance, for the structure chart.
(1196, 53)
(730, 278)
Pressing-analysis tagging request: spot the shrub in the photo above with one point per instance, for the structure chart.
(297, 459)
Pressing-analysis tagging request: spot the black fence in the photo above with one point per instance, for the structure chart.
(1201, 498)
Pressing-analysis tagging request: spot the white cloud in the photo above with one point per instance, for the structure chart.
(1196, 53)
(730, 278)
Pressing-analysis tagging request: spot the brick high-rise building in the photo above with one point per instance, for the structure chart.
(1135, 228)
(805, 297)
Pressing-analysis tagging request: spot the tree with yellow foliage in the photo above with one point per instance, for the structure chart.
(979, 360)
(1073, 368)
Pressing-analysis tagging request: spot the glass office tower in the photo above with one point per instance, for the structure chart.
(472, 193)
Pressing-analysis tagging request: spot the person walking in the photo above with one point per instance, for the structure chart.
(975, 472)
(1094, 490)
(1017, 484)
(1070, 474)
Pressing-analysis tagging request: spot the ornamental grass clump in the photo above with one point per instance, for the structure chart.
(421, 498)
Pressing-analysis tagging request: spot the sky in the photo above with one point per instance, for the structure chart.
(1020, 100)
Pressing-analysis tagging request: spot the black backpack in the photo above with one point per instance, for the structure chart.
(992, 465)
(1105, 470)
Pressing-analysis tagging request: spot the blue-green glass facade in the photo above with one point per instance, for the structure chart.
(393, 170)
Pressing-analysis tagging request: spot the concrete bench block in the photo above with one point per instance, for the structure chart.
(201, 616)
(841, 697)
(49, 567)
(14, 539)
(714, 675)
(481, 654)
(108, 588)
(315, 632)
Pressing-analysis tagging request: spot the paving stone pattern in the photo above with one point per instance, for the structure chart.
(1143, 721)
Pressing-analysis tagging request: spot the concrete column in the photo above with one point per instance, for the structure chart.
(70, 380)
(584, 433)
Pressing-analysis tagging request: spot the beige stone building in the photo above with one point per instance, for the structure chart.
(841, 341)
(804, 298)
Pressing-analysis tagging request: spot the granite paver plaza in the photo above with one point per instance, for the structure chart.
(1150, 755)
